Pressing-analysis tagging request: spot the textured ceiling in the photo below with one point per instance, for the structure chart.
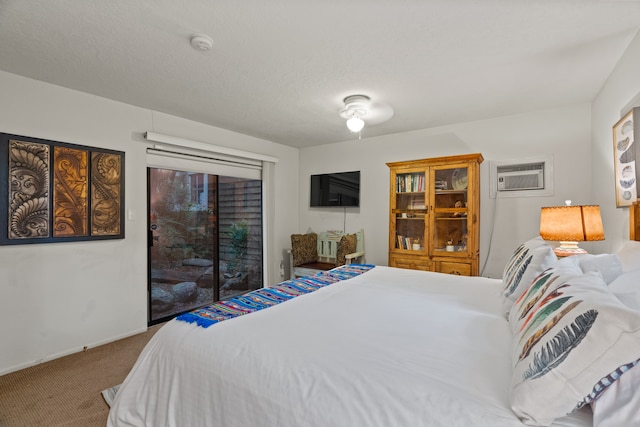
(279, 70)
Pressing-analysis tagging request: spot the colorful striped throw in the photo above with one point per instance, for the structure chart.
(270, 296)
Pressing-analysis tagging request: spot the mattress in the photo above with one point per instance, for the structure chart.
(390, 347)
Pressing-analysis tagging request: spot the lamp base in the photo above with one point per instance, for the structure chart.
(568, 249)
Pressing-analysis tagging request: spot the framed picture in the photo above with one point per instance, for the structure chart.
(53, 191)
(625, 158)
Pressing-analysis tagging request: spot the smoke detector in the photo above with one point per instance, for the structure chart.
(201, 42)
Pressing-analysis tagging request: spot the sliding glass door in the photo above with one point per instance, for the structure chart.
(205, 239)
(240, 237)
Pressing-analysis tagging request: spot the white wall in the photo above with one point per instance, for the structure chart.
(563, 133)
(618, 95)
(57, 298)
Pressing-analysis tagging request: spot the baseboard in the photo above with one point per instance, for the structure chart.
(74, 350)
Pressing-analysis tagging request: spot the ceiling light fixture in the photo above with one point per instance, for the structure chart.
(355, 124)
(201, 42)
(355, 108)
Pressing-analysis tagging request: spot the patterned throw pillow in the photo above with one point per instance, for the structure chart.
(563, 268)
(529, 260)
(347, 245)
(304, 248)
(570, 332)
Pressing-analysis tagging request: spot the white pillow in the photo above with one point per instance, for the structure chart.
(627, 288)
(608, 265)
(570, 332)
(629, 255)
(529, 260)
(619, 404)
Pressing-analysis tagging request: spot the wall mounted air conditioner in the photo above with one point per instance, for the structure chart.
(527, 177)
(521, 177)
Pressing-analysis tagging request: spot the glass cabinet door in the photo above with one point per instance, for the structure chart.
(450, 219)
(410, 210)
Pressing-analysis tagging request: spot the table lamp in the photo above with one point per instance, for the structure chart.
(570, 225)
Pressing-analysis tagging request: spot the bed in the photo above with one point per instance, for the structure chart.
(366, 345)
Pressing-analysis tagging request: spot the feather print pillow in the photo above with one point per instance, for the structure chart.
(564, 268)
(570, 332)
(529, 259)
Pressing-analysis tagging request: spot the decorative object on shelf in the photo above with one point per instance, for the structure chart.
(416, 244)
(459, 179)
(459, 204)
(570, 225)
(59, 192)
(441, 185)
(625, 157)
(450, 247)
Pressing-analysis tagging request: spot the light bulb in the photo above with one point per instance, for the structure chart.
(355, 124)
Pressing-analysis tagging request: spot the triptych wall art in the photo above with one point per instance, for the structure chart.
(53, 192)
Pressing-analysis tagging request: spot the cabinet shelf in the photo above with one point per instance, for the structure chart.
(410, 211)
(451, 218)
(442, 214)
(450, 210)
(438, 192)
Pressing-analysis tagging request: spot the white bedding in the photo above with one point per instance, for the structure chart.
(391, 347)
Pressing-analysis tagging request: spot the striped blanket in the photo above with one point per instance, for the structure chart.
(270, 296)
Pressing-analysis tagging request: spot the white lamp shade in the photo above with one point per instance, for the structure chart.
(355, 124)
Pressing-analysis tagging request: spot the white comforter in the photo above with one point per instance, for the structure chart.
(390, 347)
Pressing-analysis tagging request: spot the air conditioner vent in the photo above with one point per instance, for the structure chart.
(518, 177)
(538, 166)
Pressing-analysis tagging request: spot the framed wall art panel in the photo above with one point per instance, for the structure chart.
(53, 191)
(625, 156)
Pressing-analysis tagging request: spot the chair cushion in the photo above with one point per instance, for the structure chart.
(304, 248)
(347, 245)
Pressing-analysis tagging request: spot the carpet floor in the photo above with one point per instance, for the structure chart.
(68, 391)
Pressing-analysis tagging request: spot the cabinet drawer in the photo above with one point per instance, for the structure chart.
(457, 268)
(413, 263)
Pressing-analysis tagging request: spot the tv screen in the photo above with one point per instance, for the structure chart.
(335, 189)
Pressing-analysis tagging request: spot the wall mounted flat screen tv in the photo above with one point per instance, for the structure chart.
(335, 189)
